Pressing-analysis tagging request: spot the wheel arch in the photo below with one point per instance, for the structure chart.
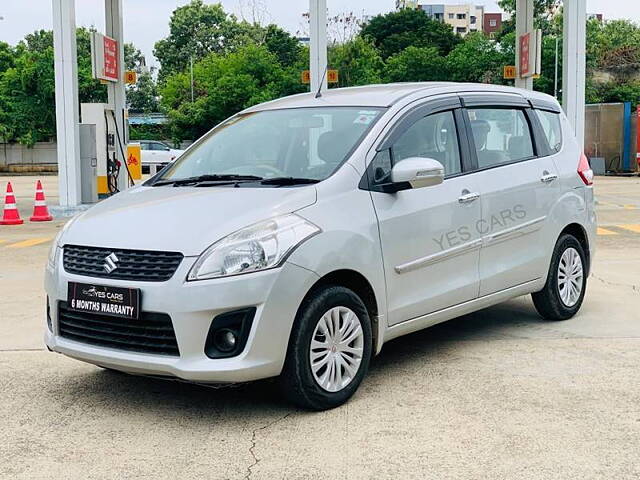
(579, 232)
(359, 284)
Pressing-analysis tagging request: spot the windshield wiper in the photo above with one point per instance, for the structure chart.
(284, 181)
(207, 178)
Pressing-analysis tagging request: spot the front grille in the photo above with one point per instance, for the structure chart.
(140, 265)
(151, 333)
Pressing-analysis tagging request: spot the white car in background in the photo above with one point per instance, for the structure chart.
(155, 155)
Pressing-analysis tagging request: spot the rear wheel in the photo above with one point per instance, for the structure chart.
(329, 349)
(564, 291)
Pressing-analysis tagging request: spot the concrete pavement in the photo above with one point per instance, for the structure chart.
(496, 394)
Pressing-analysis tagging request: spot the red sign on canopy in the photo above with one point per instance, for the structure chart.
(525, 55)
(110, 58)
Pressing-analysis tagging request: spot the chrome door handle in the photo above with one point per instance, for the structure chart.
(468, 197)
(549, 177)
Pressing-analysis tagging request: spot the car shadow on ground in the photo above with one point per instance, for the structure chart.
(120, 392)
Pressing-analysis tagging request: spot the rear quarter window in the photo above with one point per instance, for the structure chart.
(552, 129)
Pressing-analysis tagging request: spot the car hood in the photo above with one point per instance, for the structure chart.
(180, 219)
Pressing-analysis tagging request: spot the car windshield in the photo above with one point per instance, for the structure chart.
(298, 143)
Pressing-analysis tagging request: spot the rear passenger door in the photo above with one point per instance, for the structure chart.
(518, 189)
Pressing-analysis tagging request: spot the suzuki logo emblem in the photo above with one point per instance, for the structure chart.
(110, 263)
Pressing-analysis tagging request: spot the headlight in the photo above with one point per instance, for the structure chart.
(257, 247)
(54, 251)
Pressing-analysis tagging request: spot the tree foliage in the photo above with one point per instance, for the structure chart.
(225, 84)
(198, 29)
(27, 86)
(395, 31)
(357, 61)
(477, 59)
(416, 64)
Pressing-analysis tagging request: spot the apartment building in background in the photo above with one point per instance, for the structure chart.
(492, 23)
(464, 18)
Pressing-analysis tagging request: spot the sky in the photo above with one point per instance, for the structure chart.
(146, 21)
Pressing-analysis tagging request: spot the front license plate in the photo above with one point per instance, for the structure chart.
(113, 301)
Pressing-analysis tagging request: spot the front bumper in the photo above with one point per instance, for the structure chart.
(276, 294)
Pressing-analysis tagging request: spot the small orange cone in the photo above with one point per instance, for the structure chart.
(40, 210)
(11, 215)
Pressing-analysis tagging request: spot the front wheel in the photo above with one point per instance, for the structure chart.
(329, 349)
(564, 291)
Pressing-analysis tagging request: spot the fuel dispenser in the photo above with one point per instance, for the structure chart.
(109, 141)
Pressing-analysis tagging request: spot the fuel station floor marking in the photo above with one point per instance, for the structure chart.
(30, 242)
(631, 227)
(606, 231)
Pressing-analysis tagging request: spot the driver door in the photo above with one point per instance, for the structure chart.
(429, 239)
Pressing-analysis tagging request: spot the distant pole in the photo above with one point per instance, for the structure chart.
(318, 44)
(555, 75)
(192, 97)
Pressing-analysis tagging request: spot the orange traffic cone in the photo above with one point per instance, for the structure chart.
(40, 210)
(11, 215)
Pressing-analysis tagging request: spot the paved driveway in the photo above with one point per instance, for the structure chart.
(497, 394)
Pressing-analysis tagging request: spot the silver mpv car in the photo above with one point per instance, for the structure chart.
(298, 236)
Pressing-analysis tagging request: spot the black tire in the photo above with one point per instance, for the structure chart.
(548, 301)
(297, 380)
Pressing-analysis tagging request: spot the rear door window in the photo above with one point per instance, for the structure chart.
(552, 129)
(500, 136)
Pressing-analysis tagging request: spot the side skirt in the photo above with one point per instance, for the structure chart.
(448, 313)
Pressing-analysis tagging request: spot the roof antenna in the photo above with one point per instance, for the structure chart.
(319, 92)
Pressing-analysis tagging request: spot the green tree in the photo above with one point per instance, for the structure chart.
(393, 32)
(143, 96)
(540, 7)
(545, 16)
(357, 61)
(198, 29)
(27, 112)
(133, 58)
(225, 84)
(7, 55)
(612, 44)
(37, 41)
(415, 64)
(283, 45)
(27, 86)
(477, 59)
(622, 92)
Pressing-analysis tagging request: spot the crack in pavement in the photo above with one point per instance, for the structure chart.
(256, 460)
(635, 288)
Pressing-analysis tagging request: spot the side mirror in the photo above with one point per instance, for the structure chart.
(418, 172)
